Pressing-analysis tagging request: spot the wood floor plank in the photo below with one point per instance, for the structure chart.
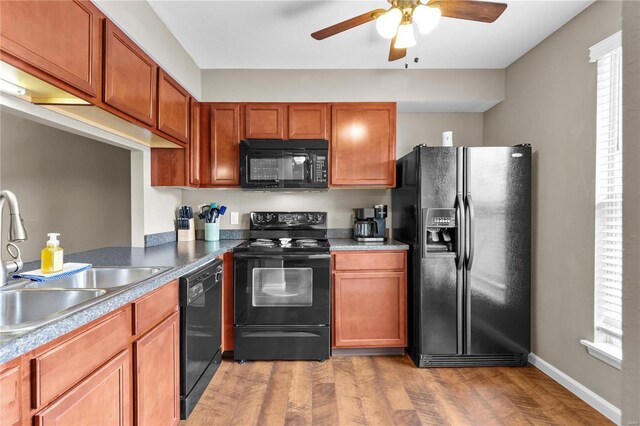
(274, 406)
(324, 404)
(300, 395)
(402, 409)
(376, 408)
(350, 410)
(249, 406)
(385, 391)
(465, 388)
(422, 398)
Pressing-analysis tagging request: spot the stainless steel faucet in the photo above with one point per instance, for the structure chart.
(17, 233)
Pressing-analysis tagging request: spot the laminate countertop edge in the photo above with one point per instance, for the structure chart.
(181, 258)
(343, 244)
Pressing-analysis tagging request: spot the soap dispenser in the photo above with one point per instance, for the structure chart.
(52, 255)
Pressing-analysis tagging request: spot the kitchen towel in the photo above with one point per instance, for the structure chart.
(67, 270)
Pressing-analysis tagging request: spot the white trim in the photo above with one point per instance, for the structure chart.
(605, 47)
(607, 409)
(605, 352)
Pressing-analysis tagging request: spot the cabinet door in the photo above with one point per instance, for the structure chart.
(169, 166)
(363, 145)
(130, 76)
(265, 121)
(308, 121)
(10, 394)
(220, 153)
(370, 309)
(103, 398)
(60, 38)
(157, 373)
(174, 104)
(193, 161)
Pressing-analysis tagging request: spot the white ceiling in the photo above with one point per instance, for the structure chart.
(266, 34)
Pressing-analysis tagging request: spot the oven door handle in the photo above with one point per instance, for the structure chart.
(281, 256)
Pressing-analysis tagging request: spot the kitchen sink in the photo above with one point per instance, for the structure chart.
(105, 278)
(27, 308)
(28, 304)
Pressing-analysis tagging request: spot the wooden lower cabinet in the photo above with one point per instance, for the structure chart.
(103, 373)
(369, 305)
(157, 374)
(103, 398)
(10, 394)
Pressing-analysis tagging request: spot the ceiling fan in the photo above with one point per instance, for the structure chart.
(396, 23)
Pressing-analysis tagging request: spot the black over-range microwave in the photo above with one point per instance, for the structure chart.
(284, 164)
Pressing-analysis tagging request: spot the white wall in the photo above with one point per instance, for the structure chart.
(631, 293)
(413, 90)
(138, 20)
(65, 183)
(550, 102)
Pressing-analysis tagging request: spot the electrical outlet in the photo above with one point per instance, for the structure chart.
(235, 218)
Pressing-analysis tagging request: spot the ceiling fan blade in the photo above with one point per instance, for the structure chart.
(347, 25)
(395, 54)
(481, 11)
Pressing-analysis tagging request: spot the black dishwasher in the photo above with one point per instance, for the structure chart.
(200, 332)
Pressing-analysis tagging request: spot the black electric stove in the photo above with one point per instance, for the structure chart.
(283, 288)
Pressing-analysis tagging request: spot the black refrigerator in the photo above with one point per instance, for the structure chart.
(466, 215)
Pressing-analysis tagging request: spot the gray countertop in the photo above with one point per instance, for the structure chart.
(349, 244)
(181, 258)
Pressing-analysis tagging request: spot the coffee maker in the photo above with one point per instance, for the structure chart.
(370, 224)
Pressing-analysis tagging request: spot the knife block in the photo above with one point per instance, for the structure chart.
(188, 234)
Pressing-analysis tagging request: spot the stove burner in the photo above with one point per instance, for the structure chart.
(263, 242)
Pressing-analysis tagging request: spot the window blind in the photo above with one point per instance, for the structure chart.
(609, 233)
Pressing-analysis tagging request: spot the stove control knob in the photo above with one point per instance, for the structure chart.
(309, 217)
(259, 218)
(319, 218)
(269, 216)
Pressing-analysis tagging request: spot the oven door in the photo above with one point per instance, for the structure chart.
(282, 289)
(277, 169)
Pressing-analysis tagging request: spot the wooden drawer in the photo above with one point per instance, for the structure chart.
(58, 369)
(369, 261)
(154, 307)
(10, 394)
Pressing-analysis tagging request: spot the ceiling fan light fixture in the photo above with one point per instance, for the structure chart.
(387, 24)
(426, 18)
(406, 37)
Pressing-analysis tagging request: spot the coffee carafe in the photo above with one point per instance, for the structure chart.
(370, 224)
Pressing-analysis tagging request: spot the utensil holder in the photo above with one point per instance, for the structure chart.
(188, 234)
(212, 232)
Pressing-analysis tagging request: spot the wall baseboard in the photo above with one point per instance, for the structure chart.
(607, 409)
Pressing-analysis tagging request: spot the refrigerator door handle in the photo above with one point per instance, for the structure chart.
(470, 232)
(459, 254)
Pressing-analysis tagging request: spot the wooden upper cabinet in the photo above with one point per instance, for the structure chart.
(363, 144)
(130, 77)
(103, 398)
(308, 121)
(193, 162)
(220, 148)
(265, 121)
(59, 38)
(174, 104)
(157, 374)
